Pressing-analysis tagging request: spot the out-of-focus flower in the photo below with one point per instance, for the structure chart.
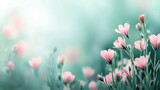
(82, 83)
(141, 18)
(61, 59)
(35, 62)
(20, 48)
(124, 77)
(9, 32)
(155, 40)
(10, 65)
(141, 62)
(100, 78)
(92, 85)
(118, 73)
(123, 29)
(108, 78)
(120, 43)
(140, 44)
(71, 54)
(88, 72)
(124, 62)
(108, 55)
(128, 68)
(68, 77)
(139, 26)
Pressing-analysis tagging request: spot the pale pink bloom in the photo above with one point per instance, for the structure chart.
(128, 68)
(155, 40)
(71, 54)
(139, 26)
(124, 77)
(141, 18)
(88, 72)
(92, 85)
(10, 65)
(123, 29)
(120, 43)
(16, 23)
(20, 48)
(140, 44)
(82, 83)
(108, 78)
(99, 76)
(9, 32)
(35, 62)
(118, 73)
(61, 59)
(108, 55)
(141, 62)
(68, 77)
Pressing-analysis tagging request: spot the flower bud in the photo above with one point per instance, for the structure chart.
(141, 18)
(138, 26)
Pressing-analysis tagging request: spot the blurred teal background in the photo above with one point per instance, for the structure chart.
(87, 25)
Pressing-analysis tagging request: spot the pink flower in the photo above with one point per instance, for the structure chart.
(124, 77)
(139, 26)
(88, 72)
(140, 44)
(141, 18)
(20, 48)
(123, 29)
(35, 62)
(118, 73)
(108, 78)
(10, 65)
(9, 32)
(141, 62)
(108, 55)
(61, 59)
(155, 40)
(128, 68)
(68, 77)
(71, 54)
(120, 43)
(92, 85)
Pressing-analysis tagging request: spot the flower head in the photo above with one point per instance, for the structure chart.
(92, 85)
(88, 72)
(123, 29)
(141, 62)
(120, 43)
(35, 62)
(140, 44)
(155, 40)
(108, 55)
(61, 59)
(10, 65)
(108, 78)
(118, 73)
(20, 48)
(139, 26)
(68, 77)
(128, 68)
(141, 18)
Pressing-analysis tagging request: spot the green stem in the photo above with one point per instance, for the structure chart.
(154, 63)
(121, 57)
(145, 37)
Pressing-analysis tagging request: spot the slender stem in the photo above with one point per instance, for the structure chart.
(121, 57)
(154, 64)
(145, 37)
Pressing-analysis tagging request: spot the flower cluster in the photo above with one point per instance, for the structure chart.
(137, 72)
